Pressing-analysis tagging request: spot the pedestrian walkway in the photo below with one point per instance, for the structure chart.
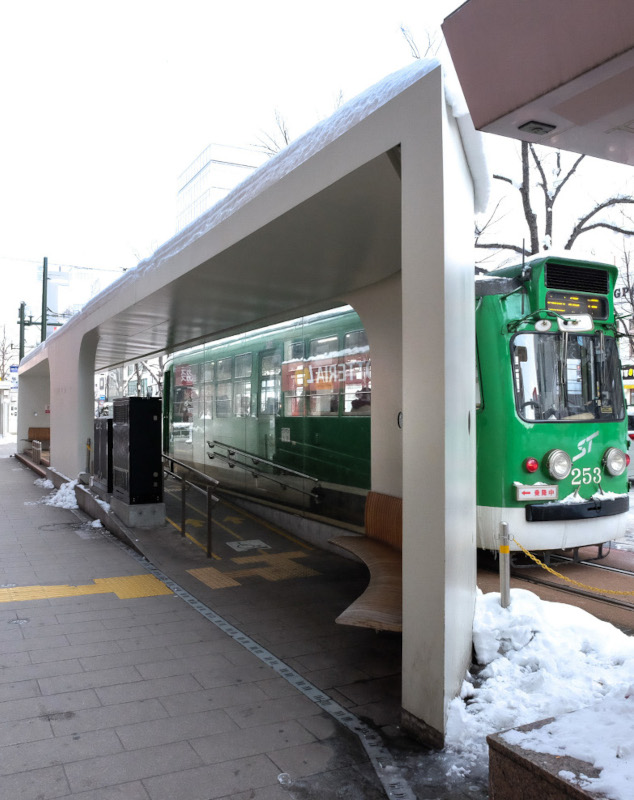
(145, 680)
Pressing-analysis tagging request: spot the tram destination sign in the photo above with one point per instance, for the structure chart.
(570, 303)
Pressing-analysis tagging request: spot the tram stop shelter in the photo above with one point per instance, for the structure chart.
(373, 207)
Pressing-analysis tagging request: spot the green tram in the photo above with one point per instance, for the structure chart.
(283, 413)
(551, 423)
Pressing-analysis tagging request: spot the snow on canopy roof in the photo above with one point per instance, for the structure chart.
(300, 151)
(327, 131)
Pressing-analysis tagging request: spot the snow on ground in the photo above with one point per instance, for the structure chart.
(535, 660)
(64, 497)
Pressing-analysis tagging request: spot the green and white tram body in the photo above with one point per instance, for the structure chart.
(283, 413)
(551, 422)
(280, 413)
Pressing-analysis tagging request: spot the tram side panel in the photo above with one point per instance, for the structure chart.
(297, 395)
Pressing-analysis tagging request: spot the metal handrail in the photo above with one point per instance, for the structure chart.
(212, 500)
(258, 473)
(198, 473)
(259, 460)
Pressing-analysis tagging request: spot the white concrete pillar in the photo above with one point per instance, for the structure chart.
(72, 360)
(379, 307)
(438, 431)
(33, 402)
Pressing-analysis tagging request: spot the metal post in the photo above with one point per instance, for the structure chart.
(21, 323)
(210, 498)
(505, 566)
(44, 296)
(88, 452)
(183, 507)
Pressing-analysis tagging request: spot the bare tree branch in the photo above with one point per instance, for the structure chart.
(569, 174)
(499, 246)
(271, 144)
(582, 227)
(503, 178)
(413, 47)
(525, 192)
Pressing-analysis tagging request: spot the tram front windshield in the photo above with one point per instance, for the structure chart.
(561, 376)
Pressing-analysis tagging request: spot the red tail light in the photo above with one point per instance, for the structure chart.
(531, 465)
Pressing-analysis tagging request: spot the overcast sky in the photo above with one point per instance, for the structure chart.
(104, 105)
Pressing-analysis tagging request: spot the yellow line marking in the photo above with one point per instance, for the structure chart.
(268, 525)
(126, 588)
(233, 533)
(192, 539)
(272, 567)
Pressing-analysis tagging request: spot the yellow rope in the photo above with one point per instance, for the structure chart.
(570, 580)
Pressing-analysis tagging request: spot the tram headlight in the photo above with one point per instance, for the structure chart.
(558, 464)
(614, 461)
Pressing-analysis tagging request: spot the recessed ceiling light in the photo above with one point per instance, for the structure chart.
(538, 128)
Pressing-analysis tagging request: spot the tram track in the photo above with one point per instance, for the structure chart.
(612, 601)
(568, 560)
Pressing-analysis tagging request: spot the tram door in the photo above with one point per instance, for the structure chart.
(269, 400)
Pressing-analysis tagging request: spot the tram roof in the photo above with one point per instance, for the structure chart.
(317, 221)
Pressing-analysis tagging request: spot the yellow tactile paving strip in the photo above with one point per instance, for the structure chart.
(126, 588)
(271, 567)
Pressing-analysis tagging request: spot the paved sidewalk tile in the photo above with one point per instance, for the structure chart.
(112, 687)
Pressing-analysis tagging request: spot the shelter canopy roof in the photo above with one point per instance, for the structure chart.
(559, 74)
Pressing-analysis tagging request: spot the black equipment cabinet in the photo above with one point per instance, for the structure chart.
(137, 456)
(102, 454)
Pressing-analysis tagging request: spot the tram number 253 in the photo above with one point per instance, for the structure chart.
(586, 475)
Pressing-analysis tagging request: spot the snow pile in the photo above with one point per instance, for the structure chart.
(44, 483)
(102, 503)
(64, 497)
(536, 660)
(602, 735)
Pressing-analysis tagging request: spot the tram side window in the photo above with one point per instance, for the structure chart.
(477, 378)
(209, 371)
(208, 400)
(242, 398)
(208, 393)
(323, 381)
(270, 372)
(224, 369)
(224, 396)
(294, 379)
(224, 387)
(356, 373)
(243, 365)
(185, 392)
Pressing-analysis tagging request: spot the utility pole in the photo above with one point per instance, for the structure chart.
(23, 323)
(44, 296)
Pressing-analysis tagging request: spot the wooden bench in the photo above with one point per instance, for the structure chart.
(42, 435)
(381, 604)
